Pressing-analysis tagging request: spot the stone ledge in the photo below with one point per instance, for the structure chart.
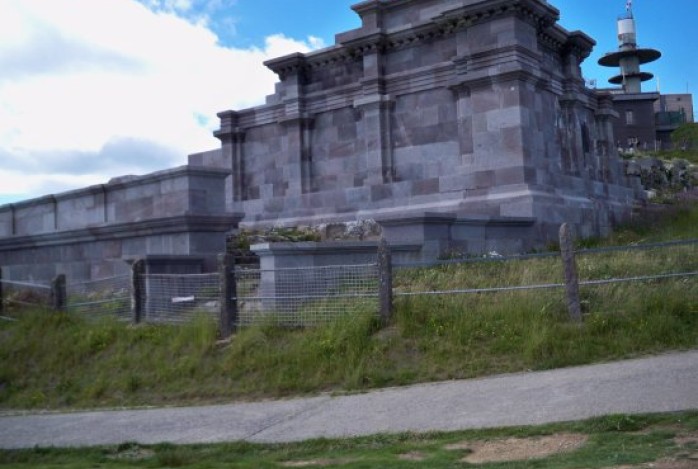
(179, 224)
(127, 181)
(325, 247)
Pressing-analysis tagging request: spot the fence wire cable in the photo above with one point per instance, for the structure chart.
(638, 279)
(546, 286)
(542, 255)
(26, 284)
(109, 296)
(24, 293)
(638, 247)
(475, 260)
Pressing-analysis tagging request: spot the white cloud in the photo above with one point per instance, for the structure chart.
(83, 81)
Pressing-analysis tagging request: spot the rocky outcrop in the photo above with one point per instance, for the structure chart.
(663, 175)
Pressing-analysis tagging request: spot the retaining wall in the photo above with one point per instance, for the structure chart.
(91, 233)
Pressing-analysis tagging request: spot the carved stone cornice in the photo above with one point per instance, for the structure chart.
(355, 44)
(230, 126)
(287, 65)
(579, 44)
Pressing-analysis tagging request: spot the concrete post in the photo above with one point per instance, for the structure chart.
(58, 293)
(571, 279)
(137, 290)
(385, 281)
(228, 295)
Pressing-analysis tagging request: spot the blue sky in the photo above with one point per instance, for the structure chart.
(133, 86)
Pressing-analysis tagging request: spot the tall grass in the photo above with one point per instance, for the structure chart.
(50, 360)
(54, 360)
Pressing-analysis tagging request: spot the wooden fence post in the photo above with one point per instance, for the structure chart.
(58, 293)
(228, 295)
(385, 281)
(137, 271)
(2, 296)
(571, 279)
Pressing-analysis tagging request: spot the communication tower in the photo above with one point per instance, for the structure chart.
(629, 56)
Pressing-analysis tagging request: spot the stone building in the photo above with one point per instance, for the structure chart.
(456, 124)
(464, 107)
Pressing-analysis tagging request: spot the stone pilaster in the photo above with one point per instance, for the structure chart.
(232, 138)
(464, 111)
(298, 168)
(375, 105)
(377, 136)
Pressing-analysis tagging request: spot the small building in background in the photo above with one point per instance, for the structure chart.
(670, 112)
(644, 121)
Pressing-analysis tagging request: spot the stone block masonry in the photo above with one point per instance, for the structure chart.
(462, 107)
(459, 125)
(89, 233)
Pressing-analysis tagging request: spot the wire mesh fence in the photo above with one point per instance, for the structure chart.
(17, 295)
(176, 298)
(612, 279)
(643, 262)
(306, 296)
(635, 277)
(479, 275)
(108, 297)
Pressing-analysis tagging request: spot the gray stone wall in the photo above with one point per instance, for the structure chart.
(92, 232)
(458, 107)
(464, 125)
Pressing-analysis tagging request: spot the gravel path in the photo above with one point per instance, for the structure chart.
(658, 384)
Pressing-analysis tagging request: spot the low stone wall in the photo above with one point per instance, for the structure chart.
(89, 233)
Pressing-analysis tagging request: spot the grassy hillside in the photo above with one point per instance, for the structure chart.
(50, 360)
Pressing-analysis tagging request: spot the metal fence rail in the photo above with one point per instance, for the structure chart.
(108, 297)
(176, 298)
(305, 296)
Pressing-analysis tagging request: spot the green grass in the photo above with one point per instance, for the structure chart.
(673, 222)
(611, 441)
(689, 155)
(50, 360)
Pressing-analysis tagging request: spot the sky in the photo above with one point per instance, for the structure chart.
(95, 89)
